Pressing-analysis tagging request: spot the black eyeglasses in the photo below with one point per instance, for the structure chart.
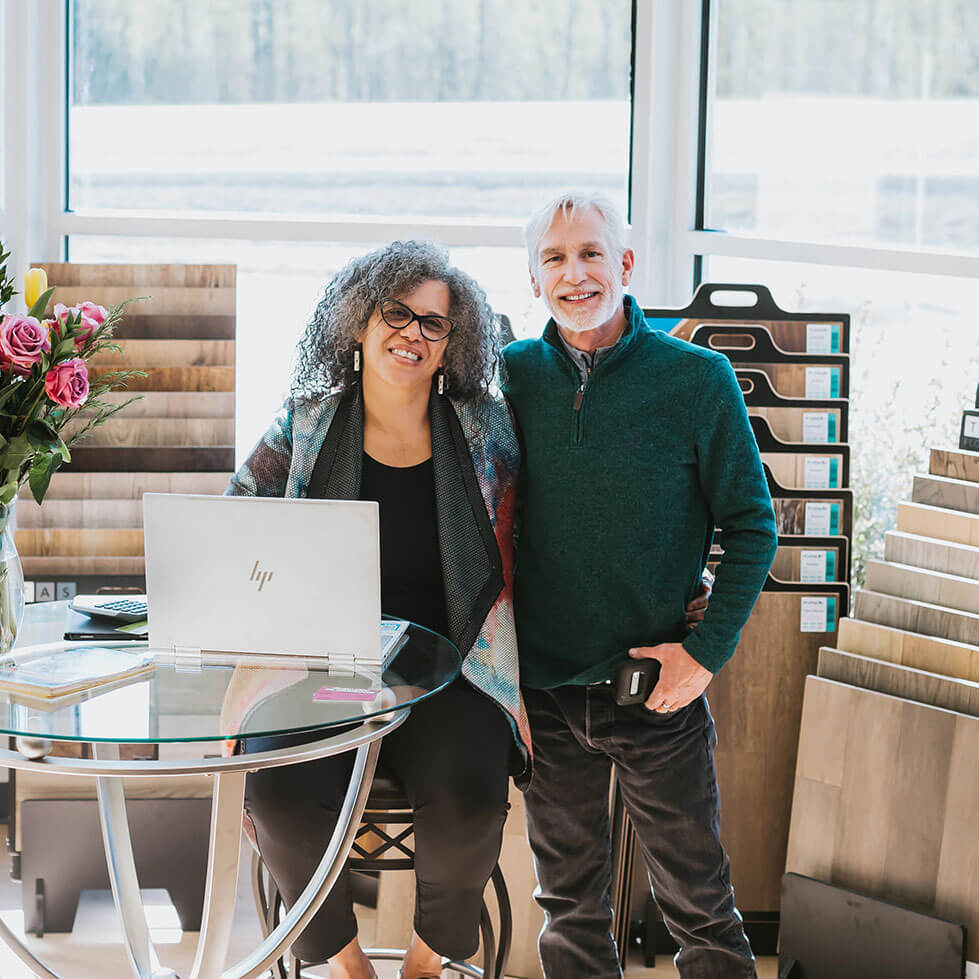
(398, 316)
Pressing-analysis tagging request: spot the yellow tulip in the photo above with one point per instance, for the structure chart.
(35, 282)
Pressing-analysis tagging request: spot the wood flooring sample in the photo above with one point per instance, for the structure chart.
(115, 564)
(929, 521)
(955, 463)
(172, 404)
(900, 681)
(756, 701)
(954, 494)
(931, 620)
(95, 276)
(79, 513)
(948, 557)
(68, 485)
(886, 805)
(922, 585)
(123, 431)
(936, 655)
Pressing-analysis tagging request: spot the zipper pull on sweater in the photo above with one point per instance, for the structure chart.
(578, 397)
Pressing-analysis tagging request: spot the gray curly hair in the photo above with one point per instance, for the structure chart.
(325, 351)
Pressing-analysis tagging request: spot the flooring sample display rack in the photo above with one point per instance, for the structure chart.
(887, 785)
(794, 372)
(179, 437)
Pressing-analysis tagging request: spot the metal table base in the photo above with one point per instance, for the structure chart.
(225, 841)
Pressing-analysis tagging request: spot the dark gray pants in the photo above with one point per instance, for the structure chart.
(665, 768)
(452, 755)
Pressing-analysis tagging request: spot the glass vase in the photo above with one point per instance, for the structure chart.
(11, 581)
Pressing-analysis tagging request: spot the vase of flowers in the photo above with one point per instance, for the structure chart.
(44, 385)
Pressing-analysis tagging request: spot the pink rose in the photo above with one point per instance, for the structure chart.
(22, 341)
(93, 317)
(88, 316)
(66, 383)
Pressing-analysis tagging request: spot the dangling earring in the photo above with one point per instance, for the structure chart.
(357, 360)
(443, 381)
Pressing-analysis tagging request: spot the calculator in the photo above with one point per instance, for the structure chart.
(121, 608)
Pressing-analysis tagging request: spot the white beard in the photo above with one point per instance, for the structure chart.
(582, 324)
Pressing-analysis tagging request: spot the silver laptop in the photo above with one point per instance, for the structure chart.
(263, 575)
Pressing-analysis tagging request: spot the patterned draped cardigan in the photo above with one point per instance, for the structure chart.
(315, 448)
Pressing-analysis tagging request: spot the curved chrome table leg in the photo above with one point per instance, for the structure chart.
(37, 967)
(227, 804)
(122, 872)
(322, 881)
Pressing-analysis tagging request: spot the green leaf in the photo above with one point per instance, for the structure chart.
(39, 308)
(8, 491)
(12, 388)
(42, 436)
(64, 349)
(16, 454)
(45, 466)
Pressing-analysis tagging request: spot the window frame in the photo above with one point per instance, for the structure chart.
(673, 46)
(701, 242)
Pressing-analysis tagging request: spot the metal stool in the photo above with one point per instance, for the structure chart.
(387, 806)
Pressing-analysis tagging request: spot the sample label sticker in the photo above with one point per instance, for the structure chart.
(818, 614)
(822, 383)
(818, 382)
(813, 566)
(816, 474)
(815, 426)
(822, 338)
(822, 519)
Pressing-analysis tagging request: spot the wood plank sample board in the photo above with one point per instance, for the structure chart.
(929, 521)
(955, 464)
(930, 653)
(904, 613)
(922, 585)
(948, 557)
(804, 559)
(756, 701)
(896, 680)
(797, 465)
(811, 512)
(940, 491)
(885, 801)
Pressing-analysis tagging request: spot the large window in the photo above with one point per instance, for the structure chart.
(363, 107)
(856, 122)
(842, 162)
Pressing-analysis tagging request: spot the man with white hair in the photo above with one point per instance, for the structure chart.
(636, 444)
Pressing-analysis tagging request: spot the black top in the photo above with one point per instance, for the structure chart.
(411, 566)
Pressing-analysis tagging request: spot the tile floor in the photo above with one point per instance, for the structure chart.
(94, 949)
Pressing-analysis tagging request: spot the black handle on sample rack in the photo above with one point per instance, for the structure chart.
(762, 348)
(702, 306)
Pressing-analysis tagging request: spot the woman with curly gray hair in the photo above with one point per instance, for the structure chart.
(392, 400)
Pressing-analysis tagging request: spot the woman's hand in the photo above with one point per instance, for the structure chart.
(697, 608)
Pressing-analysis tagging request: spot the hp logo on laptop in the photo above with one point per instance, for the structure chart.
(260, 576)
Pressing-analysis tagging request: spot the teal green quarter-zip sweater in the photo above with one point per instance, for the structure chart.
(624, 478)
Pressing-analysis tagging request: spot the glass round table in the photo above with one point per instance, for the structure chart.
(191, 698)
